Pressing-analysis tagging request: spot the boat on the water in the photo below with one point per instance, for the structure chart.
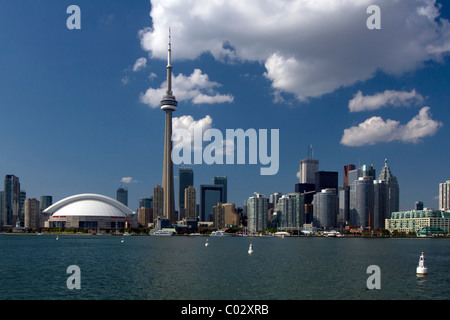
(161, 233)
(220, 233)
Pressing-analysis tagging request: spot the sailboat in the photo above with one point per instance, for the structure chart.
(422, 268)
(250, 249)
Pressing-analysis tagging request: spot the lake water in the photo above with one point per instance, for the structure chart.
(33, 267)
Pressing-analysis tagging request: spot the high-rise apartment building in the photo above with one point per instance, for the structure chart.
(190, 203)
(11, 200)
(257, 207)
(31, 214)
(158, 202)
(185, 179)
(122, 195)
(290, 210)
(444, 196)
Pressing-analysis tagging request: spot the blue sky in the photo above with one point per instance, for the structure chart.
(75, 120)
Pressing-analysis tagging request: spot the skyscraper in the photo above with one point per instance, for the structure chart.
(158, 202)
(325, 208)
(392, 190)
(168, 105)
(222, 181)
(444, 196)
(46, 201)
(11, 200)
(185, 179)
(210, 195)
(122, 195)
(308, 168)
(257, 213)
(361, 201)
(31, 214)
(291, 210)
(190, 203)
(325, 180)
(347, 169)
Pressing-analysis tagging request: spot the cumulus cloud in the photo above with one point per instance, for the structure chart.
(187, 124)
(140, 63)
(197, 88)
(376, 130)
(128, 180)
(386, 98)
(309, 48)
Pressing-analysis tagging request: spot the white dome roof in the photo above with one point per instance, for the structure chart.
(89, 205)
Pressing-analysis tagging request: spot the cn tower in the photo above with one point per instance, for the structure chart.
(168, 105)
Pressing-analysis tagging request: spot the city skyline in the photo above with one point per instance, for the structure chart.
(79, 112)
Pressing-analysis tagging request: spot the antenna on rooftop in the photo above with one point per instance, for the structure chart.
(310, 152)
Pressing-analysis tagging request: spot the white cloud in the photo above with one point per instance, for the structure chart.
(128, 180)
(125, 80)
(140, 63)
(376, 130)
(379, 100)
(309, 48)
(196, 88)
(188, 123)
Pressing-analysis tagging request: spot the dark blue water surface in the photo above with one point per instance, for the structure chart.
(33, 267)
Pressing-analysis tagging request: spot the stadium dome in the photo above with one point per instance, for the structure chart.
(90, 211)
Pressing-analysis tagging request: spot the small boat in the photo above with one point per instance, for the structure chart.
(422, 268)
(250, 249)
(220, 234)
(161, 233)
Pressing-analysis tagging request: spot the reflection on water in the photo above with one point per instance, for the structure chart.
(142, 268)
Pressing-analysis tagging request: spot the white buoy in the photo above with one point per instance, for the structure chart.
(122, 240)
(250, 249)
(57, 237)
(422, 267)
(206, 243)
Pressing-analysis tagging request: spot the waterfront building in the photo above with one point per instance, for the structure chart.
(122, 195)
(325, 209)
(418, 205)
(257, 207)
(31, 214)
(361, 201)
(190, 203)
(45, 202)
(222, 181)
(21, 218)
(380, 204)
(419, 221)
(344, 207)
(91, 211)
(158, 202)
(210, 195)
(145, 216)
(444, 196)
(291, 211)
(185, 179)
(219, 216)
(168, 105)
(231, 217)
(11, 200)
